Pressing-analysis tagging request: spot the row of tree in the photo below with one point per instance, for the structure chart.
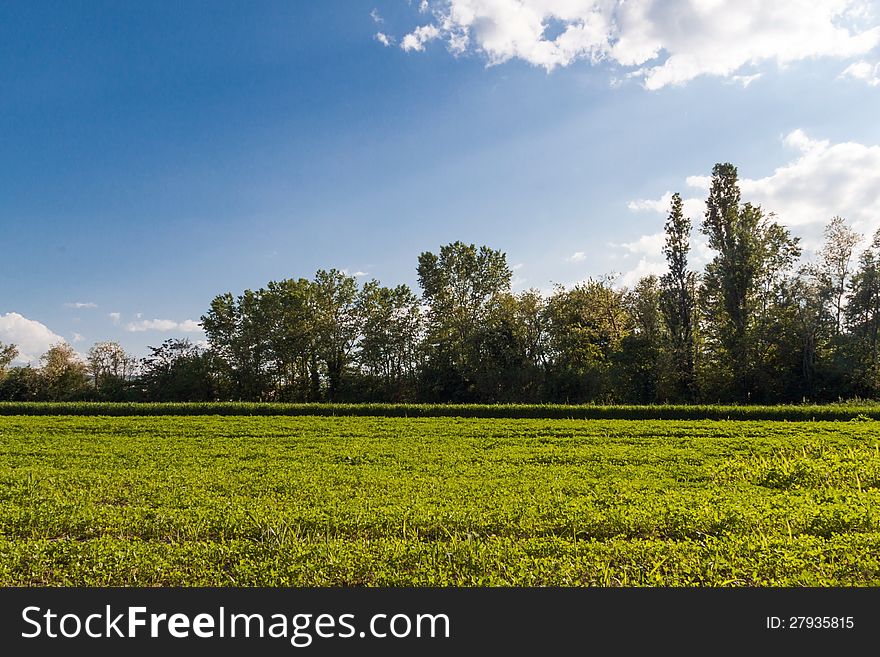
(756, 325)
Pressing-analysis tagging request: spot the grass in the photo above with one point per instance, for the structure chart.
(313, 501)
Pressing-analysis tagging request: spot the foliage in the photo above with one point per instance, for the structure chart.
(752, 254)
(389, 349)
(112, 370)
(8, 353)
(678, 303)
(461, 285)
(756, 326)
(178, 370)
(586, 327)
(62, 373)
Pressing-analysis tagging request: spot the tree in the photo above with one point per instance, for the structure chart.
(21, 384)
(178, 370)
(751, 255)
(835, 258)
(511, 349)
(8, 353)
(62, 373)
(863, 316)
(220, 323)
(777, 253)
(802, 330)
(389, 348)
(336, 325)
(458, 285)
(289, 307)
(639, 360)
(678, 301)
(111, 369)
(586, 325)
(238, 332)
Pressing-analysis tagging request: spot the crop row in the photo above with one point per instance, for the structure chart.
(793, 413)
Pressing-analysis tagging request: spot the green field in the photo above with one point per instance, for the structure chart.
(272, 500)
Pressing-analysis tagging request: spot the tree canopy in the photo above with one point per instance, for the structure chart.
(757, 324)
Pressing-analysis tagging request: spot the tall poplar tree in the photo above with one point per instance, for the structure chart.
(677, 300)
(752, 253)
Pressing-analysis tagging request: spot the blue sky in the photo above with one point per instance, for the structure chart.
(156, 154)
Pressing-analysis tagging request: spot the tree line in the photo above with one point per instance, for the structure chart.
(756, 325)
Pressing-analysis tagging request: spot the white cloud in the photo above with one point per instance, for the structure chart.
(690, 206)
(417, 39)
(383, 38)
(81, 304)
(796, 139)
(649, 248)
(517, 266)
(115, 317)
(30, 336)
(646, 267)
(152, 325)
(186, 326)
(664, 42)
(360, 274)
(745, 80)
(77, 337)
(822, 180)
(377, 18)
(578, 256)
(651, 205)
(699, 182)
(646, 244)
(189, 326)
(864, 71)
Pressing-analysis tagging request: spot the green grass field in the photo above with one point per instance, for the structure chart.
(266, 501)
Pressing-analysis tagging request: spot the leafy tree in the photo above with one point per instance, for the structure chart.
(62, 374)
(863, 316)
(290, 340)
(178, 370)
(796, 337)
(458, 285)
(752, 254)
(337, 325)
(586, 325)
(238, 333)
(21, 384)
(777, 255)
(835, 259)
(640, 359)
(289, 309)
(678, 302)
(389, 350)
(512, 349)
(220, 323)
(8, 353)
(111, 368)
